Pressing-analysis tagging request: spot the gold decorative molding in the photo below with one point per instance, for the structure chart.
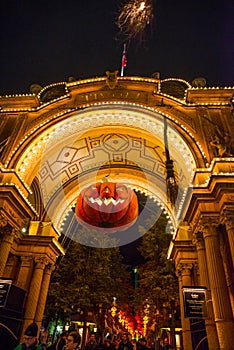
(111, 79)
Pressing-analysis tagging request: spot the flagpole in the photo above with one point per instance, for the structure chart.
(124, 60)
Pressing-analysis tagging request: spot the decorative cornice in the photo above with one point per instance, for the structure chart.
(193, 97)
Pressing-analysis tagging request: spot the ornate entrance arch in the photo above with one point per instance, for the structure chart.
(106, 140)
(67, 136)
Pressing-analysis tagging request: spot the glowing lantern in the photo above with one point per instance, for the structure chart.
(107, 205)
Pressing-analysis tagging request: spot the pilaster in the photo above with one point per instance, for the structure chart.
(184, 276)
(211, 331)
(24, 271)
(7, 233)
(11, 267)
(34, 291)
(228, 219)
(219, 291)
(43, 294)
(227, 263)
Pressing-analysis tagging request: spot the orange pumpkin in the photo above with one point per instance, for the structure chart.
(107, 205)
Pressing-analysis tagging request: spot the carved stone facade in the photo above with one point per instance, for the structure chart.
(82, 130)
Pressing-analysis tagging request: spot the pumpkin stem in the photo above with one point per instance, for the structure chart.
(105, 179)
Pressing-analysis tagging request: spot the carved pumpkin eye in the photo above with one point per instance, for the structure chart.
(106, 190)
(92, 191)
(122, 191)
(122, 188)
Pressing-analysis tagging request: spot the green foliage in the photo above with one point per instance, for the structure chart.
(87, 277)
(157, 280)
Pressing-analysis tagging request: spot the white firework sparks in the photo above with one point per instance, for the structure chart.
(134, 17)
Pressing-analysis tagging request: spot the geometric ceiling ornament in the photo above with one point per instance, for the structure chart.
(115, 142)
(66, 155)
(110, 150)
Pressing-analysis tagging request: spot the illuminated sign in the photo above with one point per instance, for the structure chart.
(194, 302)
(4, 290)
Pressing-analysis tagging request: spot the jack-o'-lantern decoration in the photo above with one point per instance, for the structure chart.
(107, 205)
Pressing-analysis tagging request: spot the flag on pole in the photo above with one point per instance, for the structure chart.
(124, 60)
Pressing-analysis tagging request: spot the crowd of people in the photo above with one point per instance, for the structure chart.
(72, 341)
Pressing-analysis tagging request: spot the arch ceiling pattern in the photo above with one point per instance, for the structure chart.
(117, 137)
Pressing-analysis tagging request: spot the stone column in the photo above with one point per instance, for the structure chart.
(228, 220)
(24, 271)
(184, 276)
(227, 264)
(43, 295)
(8, 236)
(219, 292)
(34, 291)
(211, 331)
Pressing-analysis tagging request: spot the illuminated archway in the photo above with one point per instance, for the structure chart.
(117, 140)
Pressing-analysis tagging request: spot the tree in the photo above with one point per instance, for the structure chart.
(87, 279)
(158, 284)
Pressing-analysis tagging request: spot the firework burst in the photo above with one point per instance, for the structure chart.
(134, 17)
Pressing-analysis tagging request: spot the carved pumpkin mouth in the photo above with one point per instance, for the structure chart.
(106, 201)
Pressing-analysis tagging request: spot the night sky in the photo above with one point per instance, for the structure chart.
(48, 41)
